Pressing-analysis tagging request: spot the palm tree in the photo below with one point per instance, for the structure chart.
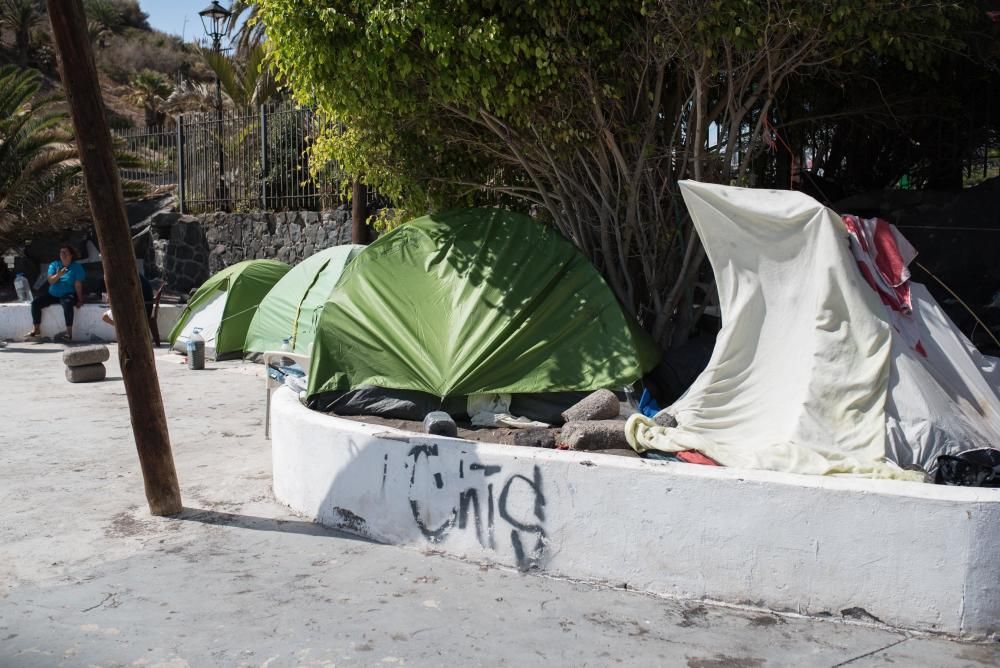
(105, 14)
(38, 160)
(150, 89)
(40, 188)
(190, 97)
(21, 16)
(246, 78)
(96, 33)
(104, 18)
(251, 30)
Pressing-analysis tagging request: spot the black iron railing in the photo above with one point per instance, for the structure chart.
(250, 160)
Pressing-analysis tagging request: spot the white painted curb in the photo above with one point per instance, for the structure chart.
(911, 555)
(15, 321)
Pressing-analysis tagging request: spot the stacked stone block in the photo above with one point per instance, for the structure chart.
(85, 364)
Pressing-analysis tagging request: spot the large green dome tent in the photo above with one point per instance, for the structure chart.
(474, 301)
(291, 309)
(223, 307)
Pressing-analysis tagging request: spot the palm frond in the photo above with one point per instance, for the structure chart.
(225, 70)
(37, 158)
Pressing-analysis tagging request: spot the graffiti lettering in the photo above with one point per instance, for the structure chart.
(527, 521)
(536, 487)
(489, 517)
(431, 534)
(526, 561)
(470, 498)
(427, 451)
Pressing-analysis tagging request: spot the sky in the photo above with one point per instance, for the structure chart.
(169, 16)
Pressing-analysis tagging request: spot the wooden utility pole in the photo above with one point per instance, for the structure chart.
(107, 205)
(359, 212)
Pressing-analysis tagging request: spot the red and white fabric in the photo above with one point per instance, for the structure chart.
(883, 256)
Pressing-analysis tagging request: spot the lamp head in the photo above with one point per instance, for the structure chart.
(215, 20)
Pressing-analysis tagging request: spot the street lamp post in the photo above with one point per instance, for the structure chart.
(215, 20)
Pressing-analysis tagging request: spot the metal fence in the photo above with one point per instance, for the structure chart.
(252, 160)
(148, 155)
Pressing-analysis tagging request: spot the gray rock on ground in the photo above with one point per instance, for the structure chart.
(84, 355)
(535, 438)
(599, 405)
(593, 435)
(440, 423)
(87, 373)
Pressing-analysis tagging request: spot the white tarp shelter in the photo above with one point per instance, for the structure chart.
(810, 373)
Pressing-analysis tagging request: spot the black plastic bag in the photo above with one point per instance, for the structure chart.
(972, 468)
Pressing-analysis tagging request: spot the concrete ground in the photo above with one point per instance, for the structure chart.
(89, 578)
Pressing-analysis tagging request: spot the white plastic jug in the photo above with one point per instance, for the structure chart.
(196, 350)
(23, 288)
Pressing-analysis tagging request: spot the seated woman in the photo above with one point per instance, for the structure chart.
(65, 277)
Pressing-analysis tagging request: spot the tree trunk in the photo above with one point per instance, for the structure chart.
(22, 39)
(101, 176)
(359, 213)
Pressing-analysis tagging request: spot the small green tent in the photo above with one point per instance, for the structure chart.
(223, 307)
(475, 301)
(291, 309)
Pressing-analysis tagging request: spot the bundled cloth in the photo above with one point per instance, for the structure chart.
(493, 410)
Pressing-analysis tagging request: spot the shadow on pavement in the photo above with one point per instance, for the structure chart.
(29, 349)
(263, 524)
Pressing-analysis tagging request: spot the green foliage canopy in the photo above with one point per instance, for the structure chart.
(382, 71)
(585, 111)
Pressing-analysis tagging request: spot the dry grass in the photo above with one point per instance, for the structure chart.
(137, 50)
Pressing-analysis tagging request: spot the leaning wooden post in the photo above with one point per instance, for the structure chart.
(107, 205)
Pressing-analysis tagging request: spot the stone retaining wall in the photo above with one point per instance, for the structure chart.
(186, 250)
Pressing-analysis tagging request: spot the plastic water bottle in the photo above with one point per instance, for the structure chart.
(23, 288)
(286, 345)
(630, 398)
(196, 350)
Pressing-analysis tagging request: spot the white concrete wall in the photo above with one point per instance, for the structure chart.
(912, 555)
(15, 321)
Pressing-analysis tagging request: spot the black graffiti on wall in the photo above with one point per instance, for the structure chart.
(478, 505)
